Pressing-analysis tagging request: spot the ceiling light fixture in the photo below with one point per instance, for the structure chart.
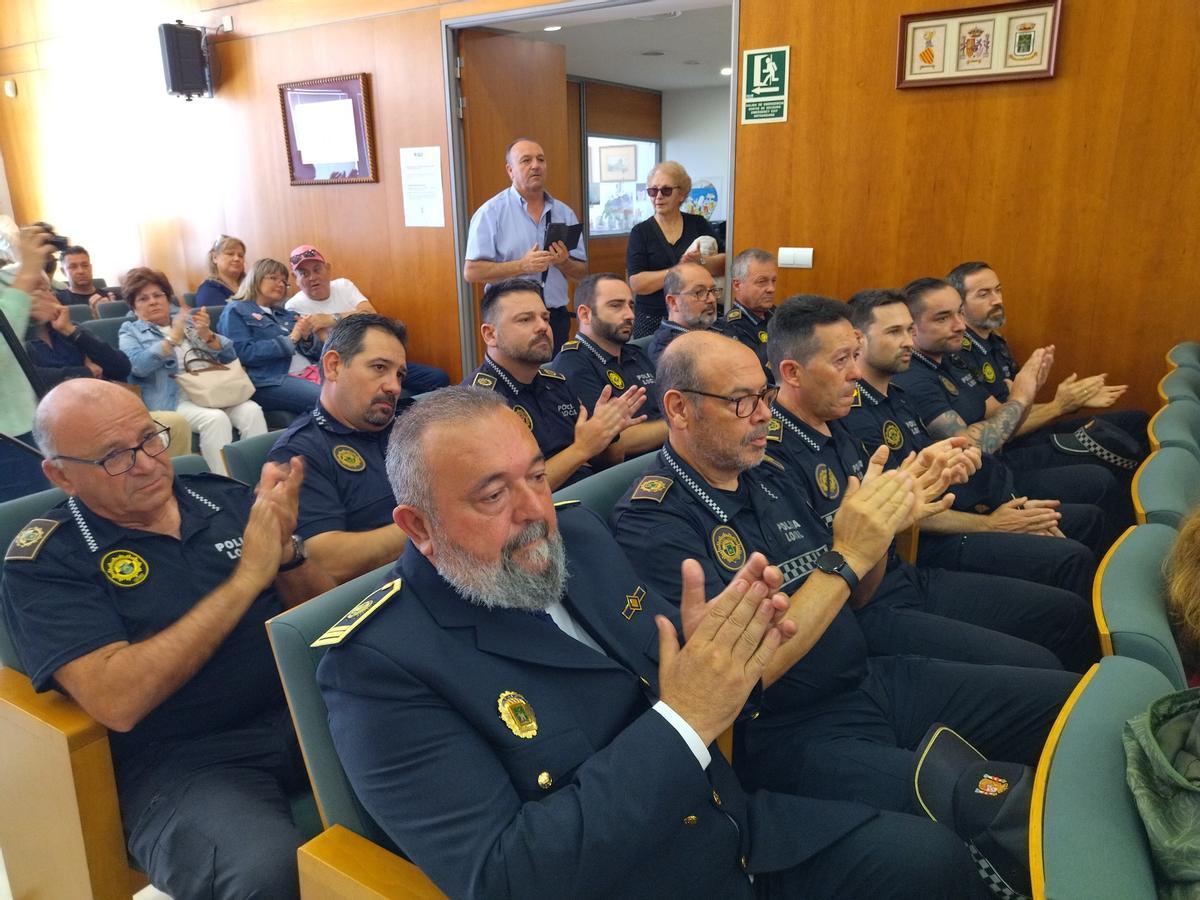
(653, 53)
(727, 71)
(552, 28)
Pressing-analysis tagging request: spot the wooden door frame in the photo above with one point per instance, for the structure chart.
(468, 318)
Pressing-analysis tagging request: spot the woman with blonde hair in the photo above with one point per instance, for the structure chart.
(666, 239)
(1182, 571)
(277, 347)
(226, 268)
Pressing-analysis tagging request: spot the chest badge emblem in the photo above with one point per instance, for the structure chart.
(892, 435)
(525, 417)
(616, 380)
(124, 568)
(633, 602)
(762, 336)
(728, 547)
(989, 373)
(949, 385)
(517, 714)
(827, 482)
(348, 458)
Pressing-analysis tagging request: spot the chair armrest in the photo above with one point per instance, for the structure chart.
(339, 863)
(60, 824)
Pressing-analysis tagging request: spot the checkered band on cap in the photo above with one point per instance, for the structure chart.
(993, 879)
(1092, 446)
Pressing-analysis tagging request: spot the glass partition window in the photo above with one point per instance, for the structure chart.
(617, 170)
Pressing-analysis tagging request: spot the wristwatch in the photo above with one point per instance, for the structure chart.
(833, 563)
(299, 555)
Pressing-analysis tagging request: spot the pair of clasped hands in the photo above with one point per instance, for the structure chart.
(732, 638)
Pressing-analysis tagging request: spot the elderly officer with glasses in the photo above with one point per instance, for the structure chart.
(143, 596)
(692, 301)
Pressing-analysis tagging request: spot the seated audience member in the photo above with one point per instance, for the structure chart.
(987, 353)
(346, 502)
(692, 301)
(328, 300)
(814, 351)
(277, 347)
(226, 268)
(1183, 594)
(81, 288)
(752, 280)
(516, 330)
(989, 525)
(835, 723)
(599, 777)
(60, 349)
(143, 597)
(158, 345)
(601, 356)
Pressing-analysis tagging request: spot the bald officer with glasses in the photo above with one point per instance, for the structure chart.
(143, 597)
(692, 301)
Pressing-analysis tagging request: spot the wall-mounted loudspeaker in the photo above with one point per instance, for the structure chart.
(185, 60)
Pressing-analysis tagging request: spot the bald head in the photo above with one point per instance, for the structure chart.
(69, 413)
(693, 361)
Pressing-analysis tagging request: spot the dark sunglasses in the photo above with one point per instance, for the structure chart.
(665, 190)
(297, 258)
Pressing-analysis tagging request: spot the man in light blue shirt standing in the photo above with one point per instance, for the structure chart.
(507, 236)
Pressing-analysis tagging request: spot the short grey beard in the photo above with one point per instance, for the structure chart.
(505, 585)
(993, 323)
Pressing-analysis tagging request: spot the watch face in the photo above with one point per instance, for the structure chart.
(830, 561)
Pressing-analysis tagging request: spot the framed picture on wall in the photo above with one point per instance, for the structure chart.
(618, 162)
(1008, 42)
(327, 130)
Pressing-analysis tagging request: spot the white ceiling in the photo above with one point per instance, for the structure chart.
(695, 44)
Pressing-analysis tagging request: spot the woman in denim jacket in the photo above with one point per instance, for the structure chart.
(156, 345)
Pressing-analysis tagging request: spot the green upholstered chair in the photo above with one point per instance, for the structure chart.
(1182, 383)
(112, 309)
(353, 850)
(105, 329)
(643, 342)
(80, 312)
(244, 459)
(1177, 424)
(600, 492)
(279, 418)
(1130, 601)
(1166, 486)
(1185, 353)
(1085, 836)
(189, 299)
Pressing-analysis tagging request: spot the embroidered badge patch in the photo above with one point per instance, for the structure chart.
(616, 380)
(989, 373)
(517, 714)
(525, 417)
(827, 482)
(728, 547)
(652, 487)
(483, 381)
(949, 385)
(358, 614)
(991, 785)
(348, 458)
(29, 540)
(774, 430)
(762, 336)
(633, 602)
(856, 400)
(892, 435)
(124, 568)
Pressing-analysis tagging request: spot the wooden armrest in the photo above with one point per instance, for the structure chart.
(341, 864)
(60, 824)
(906, 544)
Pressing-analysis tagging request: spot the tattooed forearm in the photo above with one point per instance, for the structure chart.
(990, 434)
(949, 424)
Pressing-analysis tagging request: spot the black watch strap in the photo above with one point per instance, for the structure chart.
(833, 563)
(299, 555)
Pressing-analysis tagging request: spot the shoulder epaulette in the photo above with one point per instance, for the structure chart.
(774, 430)
(560, 504)
(966, 342)
(550, 373)
(570, 345)
(358, 614)
(29, 540)
(653, 487)
(733, 315)
(772, 461)
(857, 399)
(483, 380)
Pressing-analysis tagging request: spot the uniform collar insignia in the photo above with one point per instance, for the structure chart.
(921, 357)
(326, 421)
(815, 439)
(596, 351)
(694, 483)
(865, 391)
(509, 381)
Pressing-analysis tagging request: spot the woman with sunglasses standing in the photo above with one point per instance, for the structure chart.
(666, 239)
(226, 268)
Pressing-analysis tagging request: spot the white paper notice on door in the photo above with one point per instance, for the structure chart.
(421, 175)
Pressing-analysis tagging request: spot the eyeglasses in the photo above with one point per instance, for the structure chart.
(745, 405)
(297, 258)
(275, 276)
(666, 190)
(699, 293)
(121, 461)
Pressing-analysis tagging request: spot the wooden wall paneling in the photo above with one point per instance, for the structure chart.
(574, 196)
(1075, 188)
(607, 254)
(20, 58)
(625, 111)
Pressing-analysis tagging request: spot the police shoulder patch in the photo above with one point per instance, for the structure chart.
(966, 343)
(29, 540)
(772, 461)
(774, 430)
(570, 345)
(734, 315)
(652, 487)
(857, 399)
(358, 614)
(550, 373)
(483, 380)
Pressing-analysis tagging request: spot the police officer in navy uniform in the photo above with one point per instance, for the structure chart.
(952, 401)
(834, 723)
(601, 356)
(516, 330)
(556, 740)
(924, 610)
(752, 278)
(693, 302)
(143, 597)
(346, 502)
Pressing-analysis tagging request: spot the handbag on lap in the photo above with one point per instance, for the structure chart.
(207, 382)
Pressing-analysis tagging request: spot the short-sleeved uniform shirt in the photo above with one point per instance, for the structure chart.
(589, 368)
(745, 327)
(820, 463)
(671, 514)
(75, 582)
(345, 480)
(877, 418)
(990, 361)
(548, 406)
(502, 230)
(935, 388)
(666, 332)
